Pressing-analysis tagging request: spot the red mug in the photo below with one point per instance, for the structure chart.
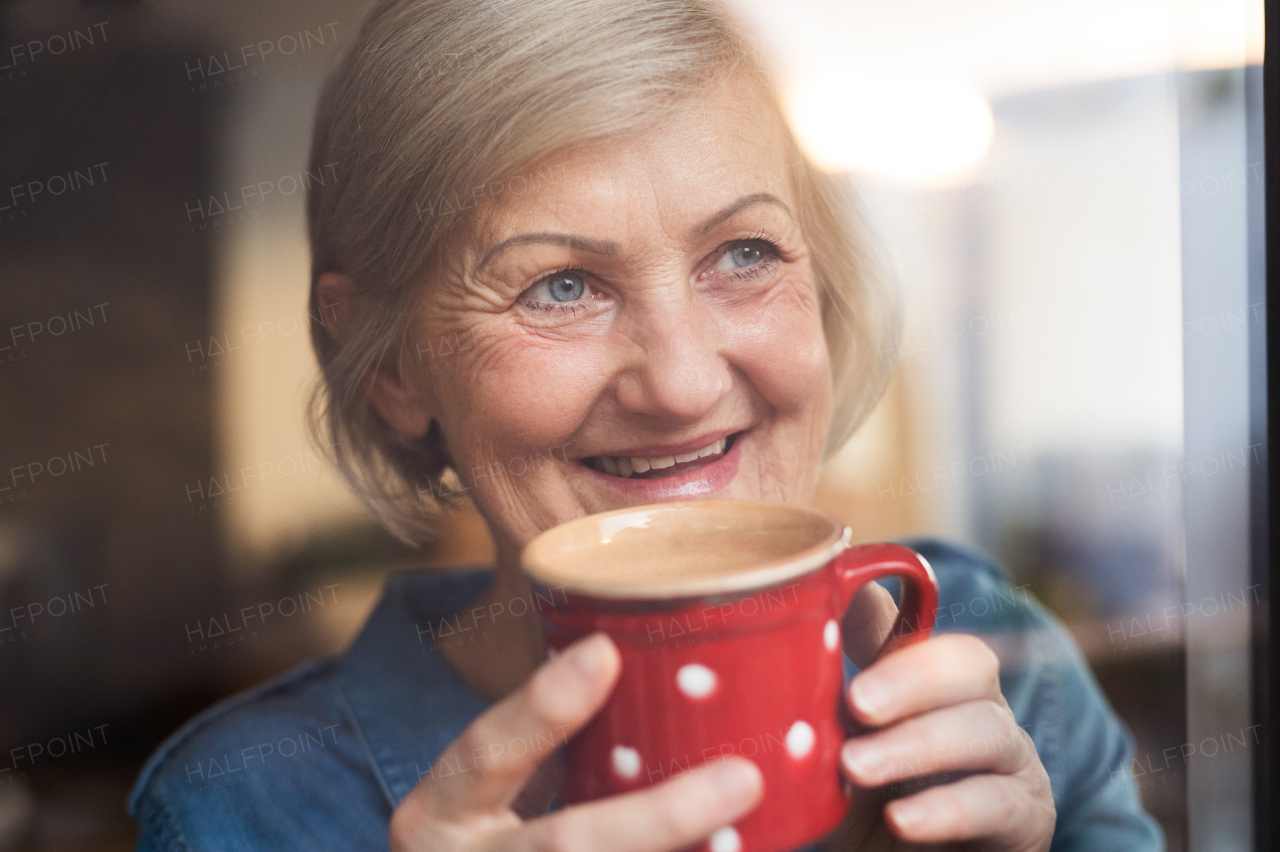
(727, 617)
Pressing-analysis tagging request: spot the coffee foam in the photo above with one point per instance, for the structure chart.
(677, 548)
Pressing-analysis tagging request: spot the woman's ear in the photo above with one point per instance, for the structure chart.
(399, 406)
(334, 292)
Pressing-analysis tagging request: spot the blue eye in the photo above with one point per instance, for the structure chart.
(558, 288)
(741, 255)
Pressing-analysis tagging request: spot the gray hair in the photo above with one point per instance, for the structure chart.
(437, 100)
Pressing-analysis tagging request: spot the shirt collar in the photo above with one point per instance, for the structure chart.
(406, 702)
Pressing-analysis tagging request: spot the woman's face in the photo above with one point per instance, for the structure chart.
(640, 324)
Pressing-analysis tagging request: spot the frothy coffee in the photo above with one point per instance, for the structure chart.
(681, 548)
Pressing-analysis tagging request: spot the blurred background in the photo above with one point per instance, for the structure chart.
(1064, 189)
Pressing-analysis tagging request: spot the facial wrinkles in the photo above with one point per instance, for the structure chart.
(528, 504)
(788, 317)
(524, 388)
(656, 294)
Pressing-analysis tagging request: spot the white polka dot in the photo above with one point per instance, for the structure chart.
(831, 635)
(696, 681)
(800, 739)
(626, 761)
(725, 840)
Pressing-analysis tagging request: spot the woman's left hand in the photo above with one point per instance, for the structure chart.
(936, 707)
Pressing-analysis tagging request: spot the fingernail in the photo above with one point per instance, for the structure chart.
(908, 814)
(866, 761)
(870, 694)
(735, 780)
(589, 656)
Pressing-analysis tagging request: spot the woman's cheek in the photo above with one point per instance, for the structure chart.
(778, 344)
(525, 395)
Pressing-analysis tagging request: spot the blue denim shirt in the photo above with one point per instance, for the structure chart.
(317, 758)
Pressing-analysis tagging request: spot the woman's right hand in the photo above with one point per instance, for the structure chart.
(459, 810)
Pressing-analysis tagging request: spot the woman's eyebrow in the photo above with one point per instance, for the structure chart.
(604, 247)
(609, 248)
(739, 205)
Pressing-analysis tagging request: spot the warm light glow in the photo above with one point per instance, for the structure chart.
(1220, 33)
(916, 129)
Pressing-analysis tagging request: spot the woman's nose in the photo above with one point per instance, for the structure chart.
(679, 371)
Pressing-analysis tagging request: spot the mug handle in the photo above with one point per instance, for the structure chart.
(857, 566)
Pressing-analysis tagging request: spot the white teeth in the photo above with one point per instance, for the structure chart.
(628, 466)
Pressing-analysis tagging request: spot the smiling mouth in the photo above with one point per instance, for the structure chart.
(635, 467)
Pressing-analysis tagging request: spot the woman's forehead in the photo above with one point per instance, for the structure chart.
(678, 172)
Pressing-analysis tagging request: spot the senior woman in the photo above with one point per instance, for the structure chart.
(578, 235)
